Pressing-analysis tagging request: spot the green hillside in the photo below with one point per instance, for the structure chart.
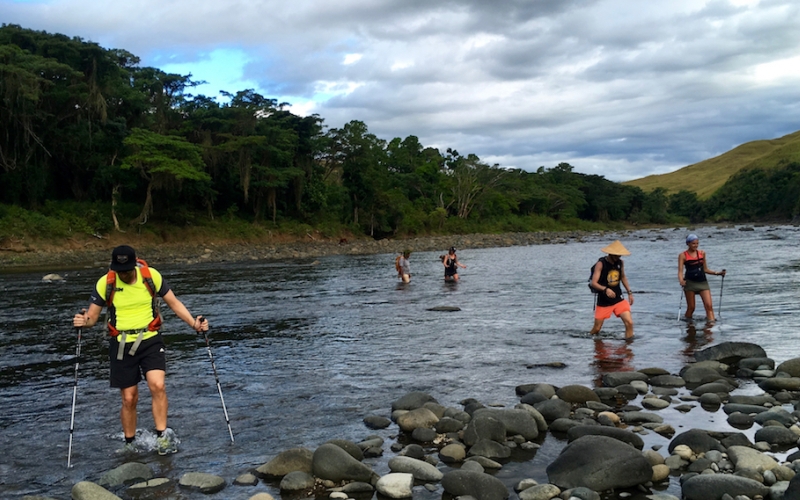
(707, 176)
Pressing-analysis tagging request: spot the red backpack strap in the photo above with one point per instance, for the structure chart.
(147, 278)
(111, 289)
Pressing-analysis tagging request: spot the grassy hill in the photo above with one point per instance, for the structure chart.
(709, 175)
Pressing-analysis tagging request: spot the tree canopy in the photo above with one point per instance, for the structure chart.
(82, 123)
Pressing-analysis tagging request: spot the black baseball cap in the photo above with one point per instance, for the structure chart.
(453, 249)
(123, 258)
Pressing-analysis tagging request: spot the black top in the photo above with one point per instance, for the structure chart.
(611, 277)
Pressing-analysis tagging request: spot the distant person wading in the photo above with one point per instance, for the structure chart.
(451, 265)
(692, 270)
(608, 274)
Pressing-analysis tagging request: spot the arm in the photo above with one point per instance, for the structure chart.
(459, 264)
(709, 271)
(180, 311)
(598, 268)
(87, 319)
(624, 280)
(681, 260)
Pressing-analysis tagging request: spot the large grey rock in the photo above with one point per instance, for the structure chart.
(541, 422)
(546, 390)
(377, 422)
(297, 481)
(714, 486)
(395, 485)
(126, 473)
(413, 419)
(517, 422)
(667, 381)
(615, 379)
(756, 363)
(780, 436)
(778, 414)
(698, 440)
(333, 463)
(540, 492)
(489, 449)
(484, 426)
(790, 366)
(719, 387)
(478, 485)
(746, 458)
(553, 409)
(743, 408)
(600, 430)
(85, 490)
(695, 375)
(793, 490)
(412, 401)
(202, 482)
(293, 459)
(599, 463)
(350, 447)
(577, 394)
(730, 352)
(635, 417)
(752, 399)
(421, 470)
(780, 384)
(159, 487)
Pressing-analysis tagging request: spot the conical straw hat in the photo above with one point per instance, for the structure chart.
(615, 248)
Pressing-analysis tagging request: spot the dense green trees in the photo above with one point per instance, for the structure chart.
(80, 123)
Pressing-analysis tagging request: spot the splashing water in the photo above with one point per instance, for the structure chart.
(146, 441)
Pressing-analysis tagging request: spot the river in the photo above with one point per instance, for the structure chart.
(306, 349)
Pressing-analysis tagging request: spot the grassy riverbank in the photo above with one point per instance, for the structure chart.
(68, 238)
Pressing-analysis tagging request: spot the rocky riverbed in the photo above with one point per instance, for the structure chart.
(457, 452)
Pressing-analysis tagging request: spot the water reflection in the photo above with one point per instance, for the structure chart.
(695, 340)
(612, 356)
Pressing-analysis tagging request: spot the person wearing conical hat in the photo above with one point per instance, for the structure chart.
(608, 275)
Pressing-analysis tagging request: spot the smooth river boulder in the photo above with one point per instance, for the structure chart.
(601, 430)
(395, 485)
(599, 463)
(730, 352)
(477, 485)
(418, 418)
(421, 470)
(86, 490)
(291, 460)
(333, 463)
(516, 421)
(714, 486)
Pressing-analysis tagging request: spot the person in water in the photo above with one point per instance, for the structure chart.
(404, 267)
(692, 270)
(130, 291)
(607, 275)
(451, 265)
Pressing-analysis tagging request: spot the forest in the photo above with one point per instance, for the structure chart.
(92, 142)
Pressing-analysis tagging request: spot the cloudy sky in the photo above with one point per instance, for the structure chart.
(621, 88)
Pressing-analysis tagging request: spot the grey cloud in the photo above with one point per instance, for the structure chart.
(615, 87)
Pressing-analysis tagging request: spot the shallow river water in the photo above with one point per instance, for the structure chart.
(306, 349)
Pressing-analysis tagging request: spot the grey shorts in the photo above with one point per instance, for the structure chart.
(696, 286)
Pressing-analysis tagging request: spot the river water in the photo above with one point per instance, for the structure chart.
(306, 349)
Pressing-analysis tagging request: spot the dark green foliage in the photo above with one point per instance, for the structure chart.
(88, 127)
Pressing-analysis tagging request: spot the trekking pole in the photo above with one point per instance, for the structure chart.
(219, 388)
(74, 398)
(680, 303)
(719, 307)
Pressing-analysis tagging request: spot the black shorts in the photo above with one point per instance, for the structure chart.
(128, 371)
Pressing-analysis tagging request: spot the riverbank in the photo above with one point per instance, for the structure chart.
(77, 253)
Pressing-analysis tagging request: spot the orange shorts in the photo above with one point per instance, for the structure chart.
(604, 312)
